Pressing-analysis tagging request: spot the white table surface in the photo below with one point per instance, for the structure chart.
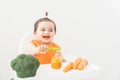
(45, 72)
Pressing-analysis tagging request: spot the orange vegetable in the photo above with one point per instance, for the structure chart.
(76, 63)
(83, 64)
(68, 67)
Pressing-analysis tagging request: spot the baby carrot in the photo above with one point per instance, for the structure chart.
(68, 67)
(83, 64)
(76, 63)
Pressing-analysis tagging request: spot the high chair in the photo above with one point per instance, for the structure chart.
(91, 72)
(25, 42)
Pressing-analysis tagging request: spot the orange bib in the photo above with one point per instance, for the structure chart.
(45, 58)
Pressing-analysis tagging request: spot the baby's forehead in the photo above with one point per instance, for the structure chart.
(46, 25)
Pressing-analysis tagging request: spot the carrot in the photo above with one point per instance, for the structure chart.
(76, 63)
(68, 67)
(83, 64)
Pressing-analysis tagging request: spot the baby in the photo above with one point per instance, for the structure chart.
(42, 45)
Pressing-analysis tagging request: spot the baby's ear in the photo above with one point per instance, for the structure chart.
(35, 33)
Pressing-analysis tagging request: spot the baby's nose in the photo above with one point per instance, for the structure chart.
(46, 31)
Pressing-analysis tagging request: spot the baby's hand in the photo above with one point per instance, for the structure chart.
(42, 49)
(59, 54)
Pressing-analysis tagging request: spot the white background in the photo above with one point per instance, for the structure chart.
(87, 28)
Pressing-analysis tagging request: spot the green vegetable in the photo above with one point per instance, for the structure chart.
(25, 65)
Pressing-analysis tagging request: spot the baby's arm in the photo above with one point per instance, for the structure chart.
(39, 49)
(59, 54)
(30, 48)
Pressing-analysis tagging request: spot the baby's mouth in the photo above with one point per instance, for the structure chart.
(46, 37)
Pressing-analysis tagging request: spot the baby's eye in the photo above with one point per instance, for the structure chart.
(50, 30)
(42, 30)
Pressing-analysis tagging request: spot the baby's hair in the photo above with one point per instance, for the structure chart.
(46, 19)
(46, 13)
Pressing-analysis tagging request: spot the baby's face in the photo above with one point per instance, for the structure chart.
(45, 32)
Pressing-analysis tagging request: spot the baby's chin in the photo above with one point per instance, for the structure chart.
(46, 42)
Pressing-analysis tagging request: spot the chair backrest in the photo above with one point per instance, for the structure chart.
(25, 42)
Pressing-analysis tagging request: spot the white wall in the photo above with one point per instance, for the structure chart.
(88, 28)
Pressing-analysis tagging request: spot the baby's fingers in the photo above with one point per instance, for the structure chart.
(58, 54)
(43, 48)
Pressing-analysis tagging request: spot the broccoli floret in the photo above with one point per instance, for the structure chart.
(25, 65)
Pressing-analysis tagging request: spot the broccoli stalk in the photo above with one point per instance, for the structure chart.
(25, 65)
